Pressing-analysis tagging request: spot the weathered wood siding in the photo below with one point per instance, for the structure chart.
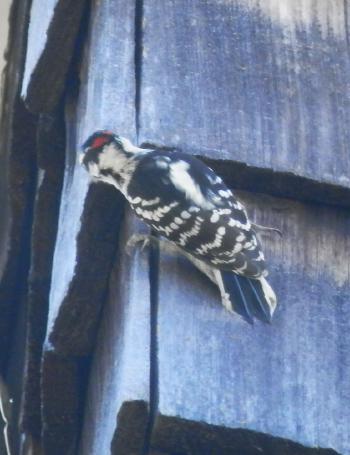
(120, 373)
(4, 22)
(52, 34)
(263, 82)
(274, 379)
(106, 100)
(134, 353)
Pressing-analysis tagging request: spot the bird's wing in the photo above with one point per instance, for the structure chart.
(185, 201)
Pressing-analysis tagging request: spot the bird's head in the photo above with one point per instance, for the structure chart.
(105, 154)
(96, 148)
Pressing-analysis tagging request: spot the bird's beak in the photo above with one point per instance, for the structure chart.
(81, 158)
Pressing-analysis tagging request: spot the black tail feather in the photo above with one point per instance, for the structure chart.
(263, 307)
(233, 287)
(247, 297)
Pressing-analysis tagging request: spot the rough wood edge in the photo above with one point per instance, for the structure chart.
(242, 176)
(130, 434)
(51, 148)
(47, 80)
(63, 388)
(18, 175)
(75, 327)
(176, 435)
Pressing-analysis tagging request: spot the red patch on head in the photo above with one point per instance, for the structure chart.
(100, 141)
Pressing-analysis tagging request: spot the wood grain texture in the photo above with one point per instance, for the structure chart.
(288, 379)
(50, 160)
(117, 406)
(262, 82)
(188, 437)
(4, 21)
(87, 232)
(61, 394)
(52, 33)
(17, 183)
(88, 224)
(250, 82)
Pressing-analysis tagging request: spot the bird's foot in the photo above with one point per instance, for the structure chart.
(226, 302)
(141, 241)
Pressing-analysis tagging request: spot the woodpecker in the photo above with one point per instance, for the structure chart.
(185, 202)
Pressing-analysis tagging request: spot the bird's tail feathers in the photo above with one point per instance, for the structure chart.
(269, 294)
(250, 297)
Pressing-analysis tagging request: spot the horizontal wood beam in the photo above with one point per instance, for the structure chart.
(176, 435)
(241, 176)
(257, 179)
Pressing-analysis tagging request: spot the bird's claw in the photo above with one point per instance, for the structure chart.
(226, 302)
(138, 240)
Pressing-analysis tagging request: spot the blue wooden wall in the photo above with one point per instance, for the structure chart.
(135, 353)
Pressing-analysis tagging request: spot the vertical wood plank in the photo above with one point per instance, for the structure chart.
(4, 21)
(89, 217)
(17, 184)
(288, 379)
(116, 412)
(258, 81)
(105, 101)
(50, 158)
(61, 395)
(52, 34)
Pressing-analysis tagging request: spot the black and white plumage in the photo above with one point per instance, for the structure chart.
(187, 203)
